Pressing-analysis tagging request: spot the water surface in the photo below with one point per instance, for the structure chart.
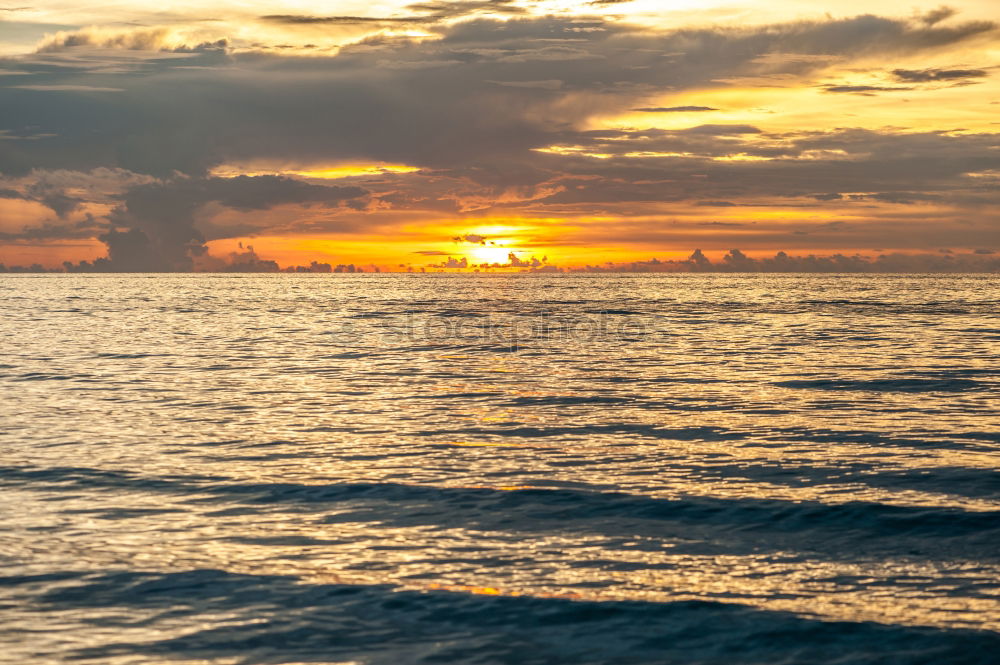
(499, 469)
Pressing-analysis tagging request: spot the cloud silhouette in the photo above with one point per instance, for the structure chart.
(935, 75)
(675, 109)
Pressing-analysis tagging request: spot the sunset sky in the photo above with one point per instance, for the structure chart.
(172, 135)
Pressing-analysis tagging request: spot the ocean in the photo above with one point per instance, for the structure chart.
(579, 468)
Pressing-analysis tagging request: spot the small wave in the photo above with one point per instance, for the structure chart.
(370, 315)
(909, 385)
(566, 400)
(128, 356)
(868, 438)
(836, 530)
(614, 312)
(38, 376)
(660, 379)
(707, 433)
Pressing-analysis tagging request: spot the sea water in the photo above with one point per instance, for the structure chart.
(575, 468)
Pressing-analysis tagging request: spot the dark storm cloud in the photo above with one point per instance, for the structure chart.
(160, 218)
(165, 212)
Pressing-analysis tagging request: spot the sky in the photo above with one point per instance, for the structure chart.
(496, 134)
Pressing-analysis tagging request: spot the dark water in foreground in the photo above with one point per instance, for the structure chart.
(499, 469)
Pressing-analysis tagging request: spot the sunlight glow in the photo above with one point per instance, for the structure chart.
(332, 172)
(490, 254)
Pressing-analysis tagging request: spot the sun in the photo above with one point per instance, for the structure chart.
(487, 254)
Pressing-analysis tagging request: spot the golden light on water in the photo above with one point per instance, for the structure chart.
(783, 448)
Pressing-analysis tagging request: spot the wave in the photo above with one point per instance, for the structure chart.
(909, 385)
(257, 619)
(736, 525)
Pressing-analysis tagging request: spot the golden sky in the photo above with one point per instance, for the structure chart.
(503, 135)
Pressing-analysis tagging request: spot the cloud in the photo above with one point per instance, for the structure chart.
(445, 111)
(935, 75)
(67, 88)
(935, 16)
(675, 109)
(435, 11)
(246, 260)
(161, 215)
(513, 261)
(101, 185)
(552, 84)
(452, 263)
(134, 251)
(471, 238)
(302, 19)
(737, 261)
(861, 89)
(451, 9)
(155, 225)
(721, 130)
(533, 263)
(96, 37)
